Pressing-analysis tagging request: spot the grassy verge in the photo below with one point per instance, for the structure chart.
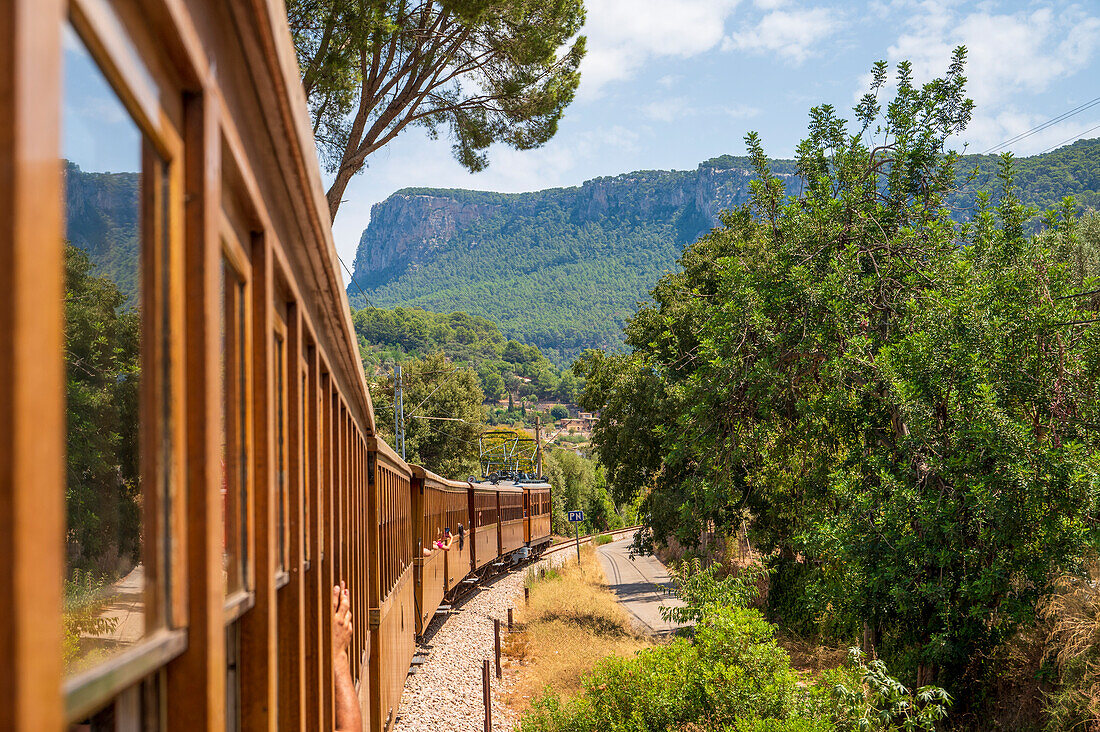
(572, 622)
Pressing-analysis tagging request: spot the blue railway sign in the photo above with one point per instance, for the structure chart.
(576, 516)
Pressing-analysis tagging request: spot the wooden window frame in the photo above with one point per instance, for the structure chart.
(146, 93)
(281, 425)
(235, 258)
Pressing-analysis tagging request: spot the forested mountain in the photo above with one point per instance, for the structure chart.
(563, 268)
(504, 367)
(102, 219)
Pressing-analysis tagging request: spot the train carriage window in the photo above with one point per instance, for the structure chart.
(307, 470)
(281, 486)
(234, 429)
(118, 365)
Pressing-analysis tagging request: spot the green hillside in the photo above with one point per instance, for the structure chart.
(563, 268)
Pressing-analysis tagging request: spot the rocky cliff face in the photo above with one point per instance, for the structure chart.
(102, 217)
(410, 226)
(406, 228)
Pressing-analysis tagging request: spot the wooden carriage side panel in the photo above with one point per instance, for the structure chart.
(510, 510)
(392, 615)
(258, 626)
(540, 515)
(314, 583)
(486, 535)
(459, 559)
(32, 410)
(327, 699)
(291, 597)
(430, 510)
(526, 516)
(196, 680)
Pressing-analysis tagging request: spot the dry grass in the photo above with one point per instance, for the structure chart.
(810, 660)
(573, 621)
(1072, 613)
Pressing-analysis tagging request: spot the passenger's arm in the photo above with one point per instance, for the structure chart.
(348, 716)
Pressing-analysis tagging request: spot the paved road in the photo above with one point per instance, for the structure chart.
(639, 584)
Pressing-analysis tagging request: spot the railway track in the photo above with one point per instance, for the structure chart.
(572, 543)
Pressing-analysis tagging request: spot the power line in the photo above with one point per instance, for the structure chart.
(1040, 127)
(357, 287)
(440, 386)
(1075, 137)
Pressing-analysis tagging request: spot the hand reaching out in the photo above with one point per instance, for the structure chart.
(342, 625)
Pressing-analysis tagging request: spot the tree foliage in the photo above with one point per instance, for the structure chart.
(443, 414)
(580, 484)
(503, 366)
(102, 358)
(483, 71)
(898, 402)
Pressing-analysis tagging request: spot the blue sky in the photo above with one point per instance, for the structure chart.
(670, 83)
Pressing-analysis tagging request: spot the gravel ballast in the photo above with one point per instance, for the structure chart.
(445, 691)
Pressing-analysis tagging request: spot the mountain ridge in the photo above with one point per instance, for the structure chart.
(561, 268)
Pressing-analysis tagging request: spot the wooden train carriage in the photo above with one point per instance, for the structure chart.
(460, 558)
(392, 593)
(484, 526)
(536, 511)
(173, 313)
(438, 504)
(510, 510)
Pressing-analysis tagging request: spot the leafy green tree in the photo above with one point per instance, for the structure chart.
(492, 385)
(546, 383)
(559, 412)
(483, 71)
(899, 402)
(579, 484)
(569, 387)
(443, 414)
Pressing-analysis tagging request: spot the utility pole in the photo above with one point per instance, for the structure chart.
(538, 445)
(399, 412)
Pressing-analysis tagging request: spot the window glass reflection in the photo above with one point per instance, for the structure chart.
(105, 585)
(233, 458)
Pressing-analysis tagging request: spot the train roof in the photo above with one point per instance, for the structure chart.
(499, 487)
(423, 473)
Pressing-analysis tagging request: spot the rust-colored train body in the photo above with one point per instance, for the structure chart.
(158, 161)
(485, 526)
(440, 504)
(536, 514)
(510, 511)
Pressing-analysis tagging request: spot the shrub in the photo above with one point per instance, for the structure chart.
(1072, 615)
(734, 677)
(734, 671)
(881, 703)
(700, 588)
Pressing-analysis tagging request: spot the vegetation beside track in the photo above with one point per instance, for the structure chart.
(571, 623)
(730, 675)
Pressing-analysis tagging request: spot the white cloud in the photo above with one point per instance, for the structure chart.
(792, 34)
(1011, 56)
(624, 34)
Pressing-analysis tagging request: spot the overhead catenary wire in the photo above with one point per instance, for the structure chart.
(1072, 139)
(1044, 125)
(357, 287)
